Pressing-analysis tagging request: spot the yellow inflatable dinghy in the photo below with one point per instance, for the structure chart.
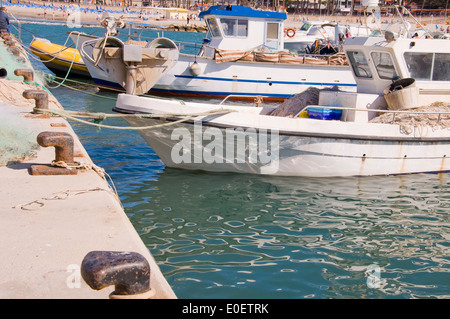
(59, 58)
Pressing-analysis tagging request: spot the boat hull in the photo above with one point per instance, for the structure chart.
(244, 79)
(298, 147)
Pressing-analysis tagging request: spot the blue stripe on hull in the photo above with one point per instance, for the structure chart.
(264, 81)
(116, 86)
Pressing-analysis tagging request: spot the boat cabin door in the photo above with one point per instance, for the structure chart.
(272, 35)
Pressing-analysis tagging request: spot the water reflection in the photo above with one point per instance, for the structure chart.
(251, 236)
(246, 236)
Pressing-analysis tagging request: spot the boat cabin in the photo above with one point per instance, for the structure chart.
(377, 62)
(384, 66)
(243, 28)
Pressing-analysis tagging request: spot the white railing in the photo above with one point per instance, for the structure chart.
(394, 112)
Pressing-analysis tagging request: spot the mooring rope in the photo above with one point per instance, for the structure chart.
(76, 116)
(71, 65)
(63, 195)
(88, 166)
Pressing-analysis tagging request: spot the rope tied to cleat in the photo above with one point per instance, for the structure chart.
(99, 117)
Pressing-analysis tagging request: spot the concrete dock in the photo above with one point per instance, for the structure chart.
(50, 223)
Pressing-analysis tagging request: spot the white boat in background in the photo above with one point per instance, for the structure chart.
(343, 134)
(244, 57)
(321, 37)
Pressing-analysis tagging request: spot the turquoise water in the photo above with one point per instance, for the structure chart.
(244, 236)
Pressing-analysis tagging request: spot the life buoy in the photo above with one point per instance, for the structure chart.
(290, 32)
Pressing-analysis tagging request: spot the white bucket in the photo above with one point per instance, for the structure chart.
(402, 94)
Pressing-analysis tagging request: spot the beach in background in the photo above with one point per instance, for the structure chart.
(90, 15)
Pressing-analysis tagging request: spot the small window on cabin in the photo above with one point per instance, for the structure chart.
(213, 27)
(441, 67)
(272, 30)
(242, 28)
(228, 26)
(419, 65)
(359, 64)
(384, 65)
(234, 27)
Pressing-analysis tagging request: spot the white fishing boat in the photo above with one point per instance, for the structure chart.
(300, 40)
(244, 57)
(324, 37)
(343, 134)
(321, 37)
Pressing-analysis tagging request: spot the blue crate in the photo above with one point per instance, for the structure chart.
(324, 114)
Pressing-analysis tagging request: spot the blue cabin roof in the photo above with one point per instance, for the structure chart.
(240, 11)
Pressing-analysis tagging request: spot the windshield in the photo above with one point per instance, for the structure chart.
(213, 27)
(305, 27)
(359, 64)
(384, 65)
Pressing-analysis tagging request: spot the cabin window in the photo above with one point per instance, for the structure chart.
(272, 30)
(384, 65)
(234, 27)
(441, 67)
(428, 66)
(213, 27)
(419, 65)
(359, 64)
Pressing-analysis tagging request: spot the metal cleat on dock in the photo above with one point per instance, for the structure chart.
(129, 272)
(14, 50)
(63, 143)
(40, 96)
(10, 43)
(27, 74)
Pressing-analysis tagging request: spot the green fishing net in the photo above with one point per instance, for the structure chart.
(17, 142)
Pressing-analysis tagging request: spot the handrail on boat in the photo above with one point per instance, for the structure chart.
(180, 44)
(376, 110)
(229, 96)
(84, 54)
(259, 96)
(372, 110)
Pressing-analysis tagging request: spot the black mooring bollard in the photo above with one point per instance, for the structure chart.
(129, 272)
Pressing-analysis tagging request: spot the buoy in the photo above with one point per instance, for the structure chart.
(195, 69)
(290, 32)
